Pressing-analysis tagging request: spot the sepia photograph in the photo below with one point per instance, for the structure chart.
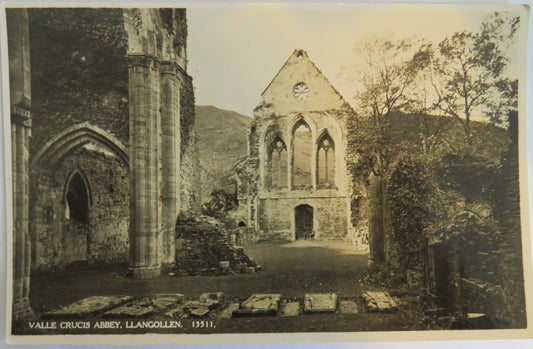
(249, 168)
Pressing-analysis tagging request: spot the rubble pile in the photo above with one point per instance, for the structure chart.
(202, 248)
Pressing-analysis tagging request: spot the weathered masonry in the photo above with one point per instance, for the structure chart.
(297, 146)
(110, 162)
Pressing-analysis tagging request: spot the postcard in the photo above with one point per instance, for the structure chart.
(257, 172)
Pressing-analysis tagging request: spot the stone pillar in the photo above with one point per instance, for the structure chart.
(20, 102)
(290, 161)
(170, 159)
(144, 144)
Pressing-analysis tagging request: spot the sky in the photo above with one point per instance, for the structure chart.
(235, 50)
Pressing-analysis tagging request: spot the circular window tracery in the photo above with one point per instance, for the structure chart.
(301, 91)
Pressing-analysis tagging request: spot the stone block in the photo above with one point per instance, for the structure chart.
(348, 307)
(377, 301)
(140, 308)
(199, 312)
(241, 268)
(166, 301)
(320, 302)
(217, 296)
(290, 308)
(259, 305)
(177, 312)
(250, 270)
(88, 306)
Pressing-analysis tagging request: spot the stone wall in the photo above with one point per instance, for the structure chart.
(78, 71)
(60, 241)
(85, 72)
(189, 167)
(276, 217)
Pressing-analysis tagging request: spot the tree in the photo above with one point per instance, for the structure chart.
(388, 86)
(469, 77)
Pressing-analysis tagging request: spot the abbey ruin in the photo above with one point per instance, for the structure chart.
(103, 149)
(105, 172)
(300, 188)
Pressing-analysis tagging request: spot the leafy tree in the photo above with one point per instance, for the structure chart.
(410, 189)
(469, 75)
(388, 86)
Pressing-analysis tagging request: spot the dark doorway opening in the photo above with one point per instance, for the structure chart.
(77, 198)
(303, 222)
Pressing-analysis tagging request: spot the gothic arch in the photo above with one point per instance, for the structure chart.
(302, 155)
(77, 197)
(73, 138)
(85, 180)
(326, 162)
(297, 119)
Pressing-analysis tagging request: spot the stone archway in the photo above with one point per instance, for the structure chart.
(81, 171)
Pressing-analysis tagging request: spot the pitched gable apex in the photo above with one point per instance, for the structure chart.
(299, 69)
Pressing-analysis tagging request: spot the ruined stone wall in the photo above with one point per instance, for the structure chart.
(276, 217)
(61, 242)
(78, 71)
(189, 167)
(79, 77)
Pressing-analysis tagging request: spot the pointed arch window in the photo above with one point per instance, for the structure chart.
(326, 162)
(77, 199)
(301, 156)
(277, 164)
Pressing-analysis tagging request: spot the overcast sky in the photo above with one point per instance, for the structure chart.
(235, 51)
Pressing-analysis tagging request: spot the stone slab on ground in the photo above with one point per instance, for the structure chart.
(167, 300)
(177, 312)
(290, 308)
(378, 301)
(348, 307)
(227, 312)
(140, 308)
(320, 302)
(146, 307)
(88, 306)
(199, 311)
(200, 308)
(259, 305)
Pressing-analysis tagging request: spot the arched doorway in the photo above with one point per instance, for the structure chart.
(77, 199)
(303, 222)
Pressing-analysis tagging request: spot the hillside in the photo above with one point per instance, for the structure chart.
(222, 140)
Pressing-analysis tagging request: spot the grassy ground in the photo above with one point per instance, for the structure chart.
(290, 268)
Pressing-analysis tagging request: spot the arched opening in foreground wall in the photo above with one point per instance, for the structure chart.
(79, 200)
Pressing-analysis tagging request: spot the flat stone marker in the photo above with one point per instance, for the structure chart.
(227, 312)
(259, 305)
(290, 309)
(199, 312)
(88, 306)
(320, 303)
(348, 307)
(177, 313)
(140, 308)
(146, 307)
(167, 301)
(378, 301)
